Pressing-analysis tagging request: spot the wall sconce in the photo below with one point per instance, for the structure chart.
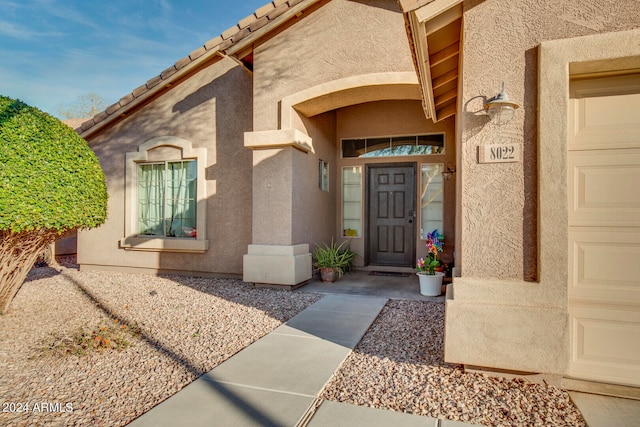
(500, 108)
(448, 172)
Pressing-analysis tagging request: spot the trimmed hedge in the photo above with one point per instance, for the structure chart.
(49, 177)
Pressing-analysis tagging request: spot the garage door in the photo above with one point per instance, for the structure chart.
(604, 229)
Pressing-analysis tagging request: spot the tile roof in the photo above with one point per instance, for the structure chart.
(75, 123)
(259, 23)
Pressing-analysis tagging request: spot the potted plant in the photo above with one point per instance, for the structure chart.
(430, 279)
(333, 260)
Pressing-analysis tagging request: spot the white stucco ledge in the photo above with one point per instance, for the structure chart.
(277, 264)
(164, 245)
(268, 139)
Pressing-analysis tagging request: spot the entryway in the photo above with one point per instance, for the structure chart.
(391, 214)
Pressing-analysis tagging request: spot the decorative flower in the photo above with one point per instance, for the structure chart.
(434, 245)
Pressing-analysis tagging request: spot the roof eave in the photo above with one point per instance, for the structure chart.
(425, 18)
(142, 95)
(246, 33)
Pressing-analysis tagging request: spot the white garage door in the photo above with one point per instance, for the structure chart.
(604, 229)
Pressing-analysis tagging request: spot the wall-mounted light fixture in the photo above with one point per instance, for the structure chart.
(500, 108)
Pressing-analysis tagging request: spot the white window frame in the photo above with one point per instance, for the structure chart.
(134, 241)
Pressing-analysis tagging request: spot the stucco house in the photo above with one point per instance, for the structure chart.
(365, 120)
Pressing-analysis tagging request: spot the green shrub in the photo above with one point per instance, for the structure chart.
(49, 177)
(50, 182)
(334, 256)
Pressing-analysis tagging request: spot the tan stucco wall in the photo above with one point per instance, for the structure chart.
(343, 38)
(313, 209)
(509, 308)
(212, 109)
(499, 202)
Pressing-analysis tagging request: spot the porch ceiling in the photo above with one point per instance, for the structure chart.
(434, 30)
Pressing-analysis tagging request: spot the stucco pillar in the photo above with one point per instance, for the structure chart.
(274, 257)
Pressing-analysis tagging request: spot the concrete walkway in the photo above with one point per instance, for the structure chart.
(276, 380)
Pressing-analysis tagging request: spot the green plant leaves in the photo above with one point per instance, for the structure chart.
(338, 257)
(49, 177)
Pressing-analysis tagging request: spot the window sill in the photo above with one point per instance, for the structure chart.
(156, 244)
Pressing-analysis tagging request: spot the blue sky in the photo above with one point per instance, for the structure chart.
(54, 51)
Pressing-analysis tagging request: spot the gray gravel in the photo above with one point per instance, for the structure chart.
(189, 325)
(398, 365)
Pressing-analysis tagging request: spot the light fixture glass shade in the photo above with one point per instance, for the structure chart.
(500, 108)
(500, 113)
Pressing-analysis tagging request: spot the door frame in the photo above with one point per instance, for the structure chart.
(367, 216)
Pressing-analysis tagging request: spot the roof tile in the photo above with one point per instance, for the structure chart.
(277, 11)
(293, 2)
(88, 125)
(240, 35)
(126, 99)
(113, 108)
(168, 72)
(277, 3)
(264, 10)
(197, 53)
(100, 117)
(226, 44)
(154, 82)
(182, 62)
(213, 43)
(230, 32)
(259, 23)
(244, 23)
(140, 90)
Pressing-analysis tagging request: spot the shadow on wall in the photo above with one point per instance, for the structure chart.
(475, 116)
(530, 166)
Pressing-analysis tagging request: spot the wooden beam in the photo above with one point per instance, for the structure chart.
(447, 111)
(447, 77)
(444, 54)
(446, 97)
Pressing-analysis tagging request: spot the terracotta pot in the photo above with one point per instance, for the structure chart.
(431, 284)
(329, 274)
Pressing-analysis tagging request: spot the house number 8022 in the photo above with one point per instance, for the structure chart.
(502, 153)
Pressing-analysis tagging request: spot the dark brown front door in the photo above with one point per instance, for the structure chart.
(391, 214)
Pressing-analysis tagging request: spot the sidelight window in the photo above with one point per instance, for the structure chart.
(352, 201)
(431, 198)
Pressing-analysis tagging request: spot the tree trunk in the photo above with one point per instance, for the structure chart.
(18, 253)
